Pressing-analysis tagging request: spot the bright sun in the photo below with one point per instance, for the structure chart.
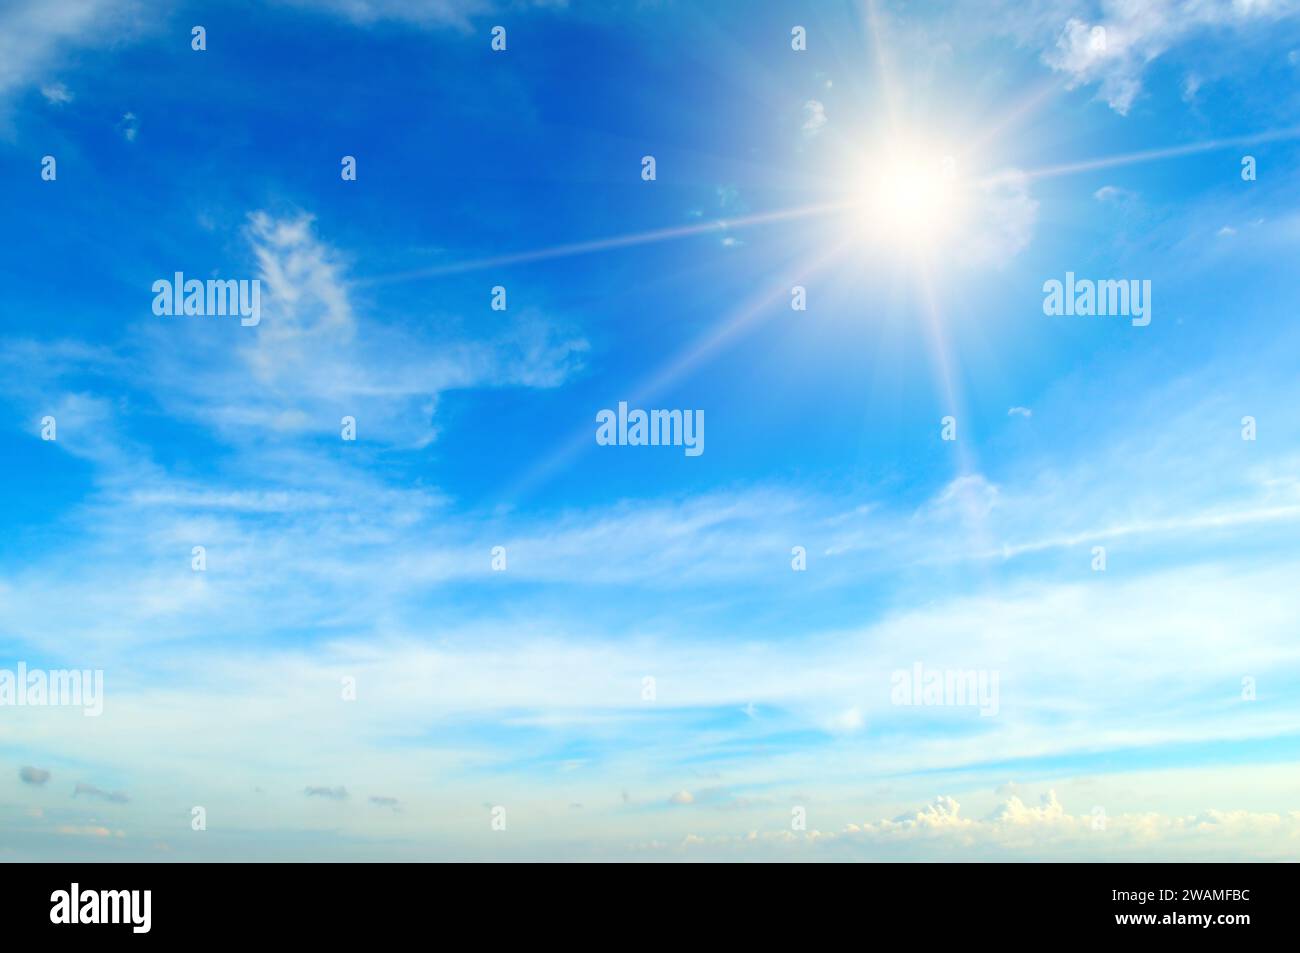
(910, 196)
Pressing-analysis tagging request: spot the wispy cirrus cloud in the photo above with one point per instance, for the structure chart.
(316, 358)
(330, 794)
(91, 791)
(458, 14)
(369, 561)
(34, 35)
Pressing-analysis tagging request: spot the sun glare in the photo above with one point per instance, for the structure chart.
(910, 196)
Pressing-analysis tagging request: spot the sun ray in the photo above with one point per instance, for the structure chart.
(608, 244)
(1146, 155)
(967, 460)
(883, 73)
(745, 316)
(1022, 110)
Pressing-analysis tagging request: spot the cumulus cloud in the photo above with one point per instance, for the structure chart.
(1114, 51)
(814, 118)
(1016, 830)
(1047, 828)
(35, 776)
(682, 797)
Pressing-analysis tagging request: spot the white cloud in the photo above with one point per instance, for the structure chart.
(1114, 194)
(73, 830)
(56, 93)
(1019, 831)
(35, 34)
(540, 671)
(848, 721)
(424, 13)
(1004, 216)
(966, 497)
(1047, 829)
(33, 776)
(329, 793)
(314, 359)
(814, 118)
(1114, 51)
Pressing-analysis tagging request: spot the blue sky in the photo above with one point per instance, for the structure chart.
(920, 169)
